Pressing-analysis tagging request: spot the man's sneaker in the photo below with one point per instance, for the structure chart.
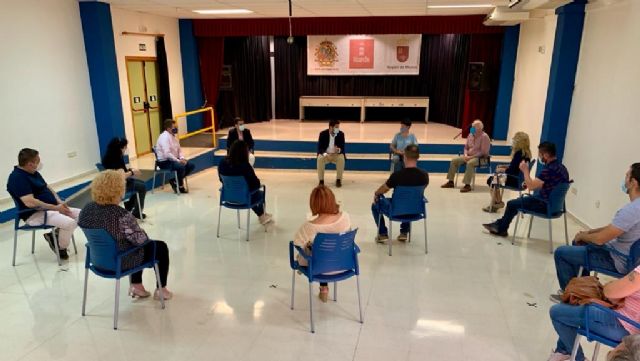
(338, 183)
(265, 218)
(173, 186)
(465, 189)
(64, 254)
(493, 229)
(449, 184)
(402, 237)
(557, 356)
(49, 238)
(382, 238)
(184, 190)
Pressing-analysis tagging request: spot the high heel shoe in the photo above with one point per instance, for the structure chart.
(166, 294)
(140, 293)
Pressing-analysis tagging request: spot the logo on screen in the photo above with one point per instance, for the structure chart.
(402, 50)
(326, 53)
(361, 53)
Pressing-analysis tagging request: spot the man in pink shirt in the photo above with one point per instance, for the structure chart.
(478, 145)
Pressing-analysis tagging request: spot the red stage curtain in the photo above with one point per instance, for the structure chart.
(211, 53)
(484, 48)
(467, 24)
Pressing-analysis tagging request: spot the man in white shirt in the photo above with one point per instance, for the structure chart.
(170, 155)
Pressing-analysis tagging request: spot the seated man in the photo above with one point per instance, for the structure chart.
(399, 142)
(240, 132)
(30, 191)
(619, 235)
(553, 174)
(477, 146)
(410, 176)
(331, 150)
(170, 155)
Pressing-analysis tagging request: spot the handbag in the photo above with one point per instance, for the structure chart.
(588, 289)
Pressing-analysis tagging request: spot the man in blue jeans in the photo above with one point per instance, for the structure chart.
(553, 174)
(613, 241)
(409, 176)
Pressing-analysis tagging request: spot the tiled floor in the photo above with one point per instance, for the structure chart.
(473, 297)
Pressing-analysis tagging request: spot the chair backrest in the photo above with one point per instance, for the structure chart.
(234, 190)
(634, 256)
(407, 201)
(484, 162)
(556, 198)
(332, 252)
(103, 250)
(100, 166)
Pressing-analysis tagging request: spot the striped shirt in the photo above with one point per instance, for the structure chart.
(553, 174)
(631, 309)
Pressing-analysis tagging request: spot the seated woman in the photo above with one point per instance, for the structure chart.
(508, 175)
(105, 213)
(566, 319)
(400, 141)
(114, 159)
(237, 164)
(328, 219)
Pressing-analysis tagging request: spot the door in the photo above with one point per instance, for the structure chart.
(142, 74)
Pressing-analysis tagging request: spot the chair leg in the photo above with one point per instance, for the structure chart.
(293, 286)
(359, 303)
(566, 231)
(117, 304)
(596, 351)
(175, 175)
(313, 330)
(139, 207)
(219, 213)
(153, 183)
(580, 271)
(576, 346)
(550, 238)
(57, 248)
(238, 216)
(426, 244)
(248, 222)
(335, 291)
(84, 293)
(515, 230)
(390, 234)
(33, 242)
(159, 284)
(73, 241)
(15, 245)
(530, 224)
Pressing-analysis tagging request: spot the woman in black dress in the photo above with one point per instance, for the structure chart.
(114, 159)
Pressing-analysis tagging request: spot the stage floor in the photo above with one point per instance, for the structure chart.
(367, 132)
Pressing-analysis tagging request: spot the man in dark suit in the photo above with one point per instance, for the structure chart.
(240, 132)
(331, 150)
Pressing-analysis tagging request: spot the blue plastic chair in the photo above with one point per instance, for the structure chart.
(329, 253)
(105, 260)
(44, 226)
(556, 208)
(408, 204)
(592, 336)
(519, 178)
(633, 260)
(127, 194)
(157, 170)
(235, 194)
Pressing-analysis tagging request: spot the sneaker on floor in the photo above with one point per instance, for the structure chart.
(557, 356)
(382, 238)
(49, 238)
(493, 229)
(402, 237)
(184, 190)
(173, 186)
(555, 298)
(265, 218)
(465, 189)
(449, 184)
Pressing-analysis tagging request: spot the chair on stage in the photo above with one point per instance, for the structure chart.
(408, 204)
(235, 194)
(334, 258)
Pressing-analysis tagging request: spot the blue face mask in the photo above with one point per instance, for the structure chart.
(624, 188)
(472, 130)
(174, 130)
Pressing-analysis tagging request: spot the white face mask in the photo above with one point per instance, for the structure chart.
(241, 127)
(125, 151)
(336, 130)
(39, 167)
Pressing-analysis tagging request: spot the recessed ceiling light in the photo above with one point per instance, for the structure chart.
(223, 11)
(460, 6)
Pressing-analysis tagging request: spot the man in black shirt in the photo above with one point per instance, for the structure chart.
(410, 176)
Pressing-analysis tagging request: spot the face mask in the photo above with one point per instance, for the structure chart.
(174, 130)
(472, 130)
(541, 161)
(403, 129)
(336, 131)
(39, 167)
(624, 188)
(125, 151)
(241, 127)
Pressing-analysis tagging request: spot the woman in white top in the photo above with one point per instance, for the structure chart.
(328, 219)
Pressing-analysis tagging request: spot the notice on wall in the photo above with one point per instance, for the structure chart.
(364, 54)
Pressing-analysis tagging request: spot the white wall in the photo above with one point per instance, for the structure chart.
(45, 95)
(604, 125)
(128, 45)
(532, 77)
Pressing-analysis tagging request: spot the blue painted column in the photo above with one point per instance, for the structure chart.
(505, 85)
(193, 98)
(100, 47)
(564, 63)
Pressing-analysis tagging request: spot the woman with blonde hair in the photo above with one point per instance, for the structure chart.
(107, 190)
(508, 175)
(328, 219)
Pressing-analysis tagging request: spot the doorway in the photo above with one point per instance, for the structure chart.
(142, 74)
